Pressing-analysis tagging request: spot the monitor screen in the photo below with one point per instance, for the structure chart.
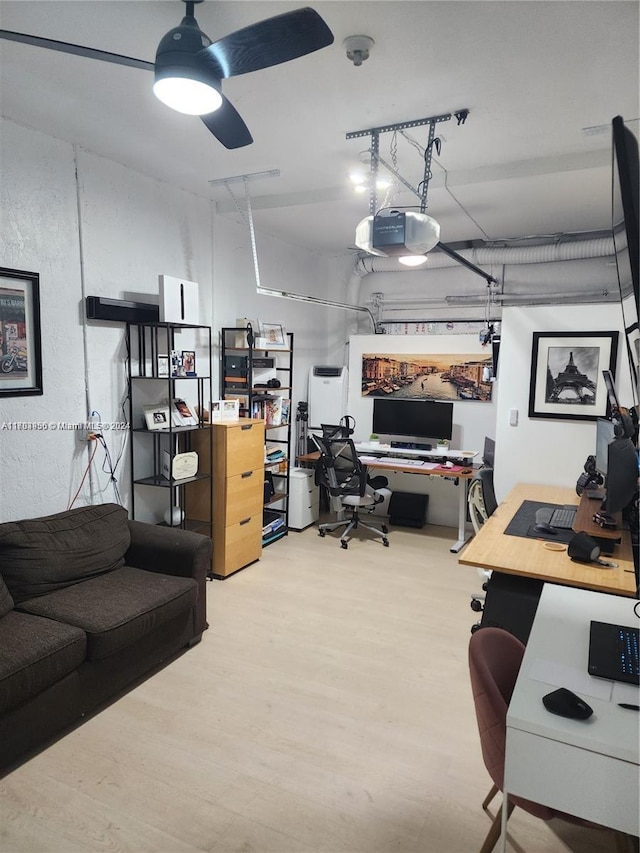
(489, 452)
(417, 418)
(622, 475)
(625, 213)
(604, 436)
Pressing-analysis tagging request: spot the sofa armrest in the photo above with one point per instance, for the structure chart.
(172, 551)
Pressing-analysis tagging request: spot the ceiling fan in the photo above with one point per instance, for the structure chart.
(189, 67)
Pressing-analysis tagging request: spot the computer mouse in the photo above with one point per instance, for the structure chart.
(564, 703)
(545, 527)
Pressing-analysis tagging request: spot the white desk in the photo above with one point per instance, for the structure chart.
(585, 768)
(385, 454)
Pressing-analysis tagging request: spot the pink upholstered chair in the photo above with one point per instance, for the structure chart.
(495, 656)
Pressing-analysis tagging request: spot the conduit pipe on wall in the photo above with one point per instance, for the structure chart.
(577, 250)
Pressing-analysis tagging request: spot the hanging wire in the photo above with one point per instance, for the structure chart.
(423, 152)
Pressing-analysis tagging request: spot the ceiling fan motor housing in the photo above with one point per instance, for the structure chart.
(180, 46)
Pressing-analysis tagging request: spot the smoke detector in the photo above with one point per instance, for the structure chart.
(358, 48)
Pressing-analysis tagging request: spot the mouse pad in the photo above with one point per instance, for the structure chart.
(522, 523)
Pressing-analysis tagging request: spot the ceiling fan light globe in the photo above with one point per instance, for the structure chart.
(413, 260)
(187, 95)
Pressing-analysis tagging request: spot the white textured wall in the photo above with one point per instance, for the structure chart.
(541, 450)
(39, 233)
(471, 420)
(111, 232)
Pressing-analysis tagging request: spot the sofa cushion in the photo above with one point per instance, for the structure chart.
(6, 601)
(118, 608)
(34, 653)
(39, 555)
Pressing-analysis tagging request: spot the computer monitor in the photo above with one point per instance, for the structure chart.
(622, 475)
(605, 434)
(489, 452)
(415, 418)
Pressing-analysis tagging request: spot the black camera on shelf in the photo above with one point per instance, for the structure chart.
(273, 383)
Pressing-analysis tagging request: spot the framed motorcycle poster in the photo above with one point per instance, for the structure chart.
(20, 340)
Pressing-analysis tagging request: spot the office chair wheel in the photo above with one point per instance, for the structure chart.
(322, 533)
(344, 544)
(385, 542)
(476, 605)
(475, 627)
(384, 528)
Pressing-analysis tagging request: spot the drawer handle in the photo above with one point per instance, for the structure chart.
(246, 474)
(245, 521)
(246, 426)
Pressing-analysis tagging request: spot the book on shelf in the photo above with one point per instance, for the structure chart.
(274, 455)
(271, 408)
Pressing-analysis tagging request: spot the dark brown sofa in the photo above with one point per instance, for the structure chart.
(90, 603)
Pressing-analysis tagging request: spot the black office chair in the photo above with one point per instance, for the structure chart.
(345, 478)
(482, 503)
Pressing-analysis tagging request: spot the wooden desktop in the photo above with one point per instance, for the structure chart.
(492, 549)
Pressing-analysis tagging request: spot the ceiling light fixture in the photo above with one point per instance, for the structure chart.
(182, 79)
(413, 260)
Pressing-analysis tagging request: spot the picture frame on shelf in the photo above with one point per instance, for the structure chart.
(566, 374)
(163, 365)
(271, 336)
(229, 410)
(181, 413)
(157, 416)
(177, 370)
(20, 334)
(189, 362)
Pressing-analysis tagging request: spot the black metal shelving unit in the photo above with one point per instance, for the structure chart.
(146, 343)
(254, 400)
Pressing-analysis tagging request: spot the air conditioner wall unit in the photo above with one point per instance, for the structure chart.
(328, 390)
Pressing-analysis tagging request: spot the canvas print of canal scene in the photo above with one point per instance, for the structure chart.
(426, 377)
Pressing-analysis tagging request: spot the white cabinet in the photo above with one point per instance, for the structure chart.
(304, 498)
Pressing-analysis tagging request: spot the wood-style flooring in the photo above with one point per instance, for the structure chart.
(327, 710)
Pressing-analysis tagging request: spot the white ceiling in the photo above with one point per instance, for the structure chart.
(532, 74)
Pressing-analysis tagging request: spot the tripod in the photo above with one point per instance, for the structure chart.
(302, 418)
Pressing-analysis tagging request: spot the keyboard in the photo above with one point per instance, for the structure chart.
(628, 648)
(563, 518)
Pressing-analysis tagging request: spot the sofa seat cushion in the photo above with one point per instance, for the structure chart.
(39, 555)
(35, 653)
(117, 609)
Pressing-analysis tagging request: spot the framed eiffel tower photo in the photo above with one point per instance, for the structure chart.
(566, 374)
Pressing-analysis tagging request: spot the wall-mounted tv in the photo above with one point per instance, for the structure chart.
(415, 418)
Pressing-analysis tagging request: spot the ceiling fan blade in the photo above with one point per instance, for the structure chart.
(77, 50)
(270, 42)
(227, 126)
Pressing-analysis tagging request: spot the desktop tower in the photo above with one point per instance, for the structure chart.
(511, 603)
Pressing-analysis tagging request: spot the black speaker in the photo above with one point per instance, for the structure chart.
(121, 310)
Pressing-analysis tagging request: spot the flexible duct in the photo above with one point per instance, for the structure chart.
(548, 253)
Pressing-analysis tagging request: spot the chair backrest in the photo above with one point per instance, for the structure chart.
(495, 656)
(481, 497)
(339, 468)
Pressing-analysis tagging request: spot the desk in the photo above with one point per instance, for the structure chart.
(387, 464)
(492, 549)
(585, 768)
